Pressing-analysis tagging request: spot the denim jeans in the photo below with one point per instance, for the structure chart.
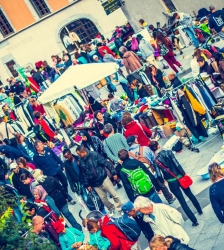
(155, 198)
(52, 205)
(191, 34)
(68, 215)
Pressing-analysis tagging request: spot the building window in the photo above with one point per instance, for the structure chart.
(5, 27)
(11, 68)
(85, 30)
(41, 7)
(170, 6)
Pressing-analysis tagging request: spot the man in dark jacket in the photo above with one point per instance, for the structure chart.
(174, 80)
(37, 76)
(10, 152)
(131, 165)
(22, 188)
(145, 227)
(73, 173)
(51, 165)
(95, 176)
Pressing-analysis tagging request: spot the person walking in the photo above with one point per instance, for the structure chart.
(135, 128)
(165, 48)
(51, 165)
(216, 190)
(7, 133)
(95, 176)
(147, 50)
(167, 166)
(216, 20)
(156, 78)
(185, 20)
(130, 60)
(56, 191)
(113, 143)
(163, 219)
(145, 155)
(146, 186)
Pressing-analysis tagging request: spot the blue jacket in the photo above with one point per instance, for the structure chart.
(71, 236)
(216, 21)
(48, 162)
(97, 240)
(10, 152)
(24, 152)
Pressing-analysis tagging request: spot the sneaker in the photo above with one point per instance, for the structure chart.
(172, 200)
(111, 213)
(72, 202)
(200, 213)
(119, 186)
(182, 69)
(195, 224)
(181, 53)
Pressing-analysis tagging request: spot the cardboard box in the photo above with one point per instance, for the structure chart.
(167, 130)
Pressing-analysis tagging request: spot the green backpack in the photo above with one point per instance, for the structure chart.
(139, 180)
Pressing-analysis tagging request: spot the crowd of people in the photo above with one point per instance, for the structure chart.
(106, 160)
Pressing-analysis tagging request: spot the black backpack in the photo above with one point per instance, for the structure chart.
(40, 134)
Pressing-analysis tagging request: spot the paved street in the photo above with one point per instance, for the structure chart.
(209, 234)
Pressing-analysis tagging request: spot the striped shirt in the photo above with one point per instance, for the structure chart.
(113, 144)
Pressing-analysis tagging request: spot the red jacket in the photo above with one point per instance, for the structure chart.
(109, 51)
(140, 130)
(117, 239)
(46, 129)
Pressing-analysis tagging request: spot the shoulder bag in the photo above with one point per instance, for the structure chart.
(185, 181)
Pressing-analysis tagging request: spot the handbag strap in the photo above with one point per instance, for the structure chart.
(140, 126)
(162, 166)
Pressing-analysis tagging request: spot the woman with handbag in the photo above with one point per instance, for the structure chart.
(167, 167)
(7, 133)
(165, 48)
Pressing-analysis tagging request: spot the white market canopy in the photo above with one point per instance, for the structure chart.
(80, 76)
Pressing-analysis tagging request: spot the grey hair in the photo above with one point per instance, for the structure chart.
(122, 49)
(142, 202)
(211, 7)
(108, 128)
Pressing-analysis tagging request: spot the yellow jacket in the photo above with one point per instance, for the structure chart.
(196, 105)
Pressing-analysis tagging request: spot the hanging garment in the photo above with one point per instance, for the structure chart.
(77, 100)
(206, 98)
(20, 113)
(68, 111)
(145, 78)
(27, 114)
(93, 91)
(177, 112)
(195, 103)
(64, 115)
(72, 105)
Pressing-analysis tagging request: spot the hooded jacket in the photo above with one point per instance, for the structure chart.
(71, 174)
(117, 239)
(207, 69)
(97, 240)
(10, 152)
(131, 61)
(93, 169)
(71, 236)
(146, 49)
(167, 158)
(132, 164)
(140, 130)
(177, 245)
